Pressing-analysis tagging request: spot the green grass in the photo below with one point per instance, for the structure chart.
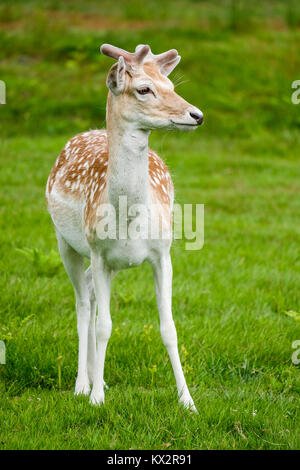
(229, 299)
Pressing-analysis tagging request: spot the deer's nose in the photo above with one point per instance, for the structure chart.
(197, 116)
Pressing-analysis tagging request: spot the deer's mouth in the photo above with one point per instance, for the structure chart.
(183, 124)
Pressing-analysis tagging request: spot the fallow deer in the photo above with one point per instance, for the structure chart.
(99, 167)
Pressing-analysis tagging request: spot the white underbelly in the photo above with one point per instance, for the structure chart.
(122, 254)
(118, 254)
(67, 218)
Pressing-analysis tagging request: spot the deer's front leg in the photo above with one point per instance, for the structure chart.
(162, 269)
(102, 280)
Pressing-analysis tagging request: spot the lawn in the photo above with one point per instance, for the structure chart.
(236, 302)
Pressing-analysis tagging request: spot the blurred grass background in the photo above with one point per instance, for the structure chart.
(231, 300)
(238, 58)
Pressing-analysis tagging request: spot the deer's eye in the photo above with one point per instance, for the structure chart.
(144, 91)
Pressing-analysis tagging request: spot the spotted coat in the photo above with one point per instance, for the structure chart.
(80, 172)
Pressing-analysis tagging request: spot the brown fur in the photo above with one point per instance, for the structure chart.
(171, 102)
(80, 172)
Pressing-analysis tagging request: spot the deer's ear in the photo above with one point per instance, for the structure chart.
(116, 77)
(167, 68)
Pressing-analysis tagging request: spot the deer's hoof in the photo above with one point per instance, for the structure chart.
(97, 398)
(82, 388)
(188, 403)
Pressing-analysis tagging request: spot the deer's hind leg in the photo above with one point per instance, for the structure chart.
(91, 354)
(74, 265)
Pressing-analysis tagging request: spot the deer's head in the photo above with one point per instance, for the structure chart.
(142, 93)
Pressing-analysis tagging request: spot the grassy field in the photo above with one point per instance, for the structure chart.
(232, 300)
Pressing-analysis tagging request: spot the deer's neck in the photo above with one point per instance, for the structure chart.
(127, 170)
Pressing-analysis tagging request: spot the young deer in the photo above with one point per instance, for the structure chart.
(97, 168)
